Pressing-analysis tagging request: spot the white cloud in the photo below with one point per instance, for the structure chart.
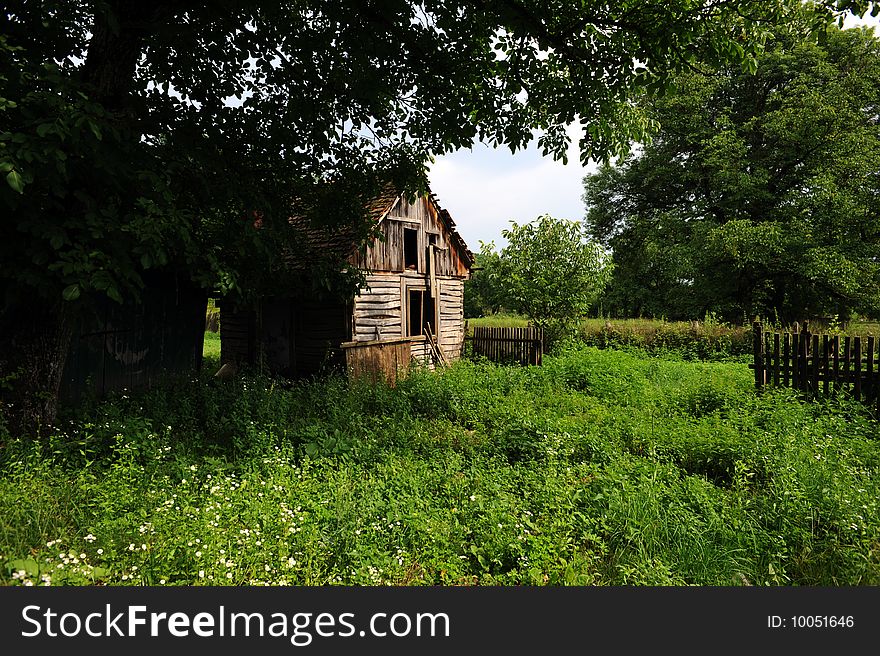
(485, 189)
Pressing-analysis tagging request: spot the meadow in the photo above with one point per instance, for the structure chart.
(602, 467)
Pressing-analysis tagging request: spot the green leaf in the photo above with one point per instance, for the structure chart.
(29, 565)
(96, 130)
(71, 293)
(44, 128)
(14, 180)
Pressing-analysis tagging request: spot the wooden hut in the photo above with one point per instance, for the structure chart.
(411, 307)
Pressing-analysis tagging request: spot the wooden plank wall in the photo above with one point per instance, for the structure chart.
(421, 353)
(237, 334)
(375, 361)
(451, 333)
(818, 364)
(135, 345)
(386, 255)
(320, 329)
(277, 336)
(379, 314)
(377, 309)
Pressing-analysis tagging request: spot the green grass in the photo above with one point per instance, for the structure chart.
(499, 321)
(212, 346)
(692, 340)
(601, 467)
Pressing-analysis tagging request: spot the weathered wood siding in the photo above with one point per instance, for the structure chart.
(421, 353)
(377, 309)
(237, 334)
(275, 326)
(388, 254)
(380, 308)
(135, 345)
(287, 336)
(451, 336)
(386, 360)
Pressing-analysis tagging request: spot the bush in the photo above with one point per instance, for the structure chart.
(695, 340)
(601, 467)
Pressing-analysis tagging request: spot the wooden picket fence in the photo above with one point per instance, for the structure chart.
(817, 364)
(508, 345)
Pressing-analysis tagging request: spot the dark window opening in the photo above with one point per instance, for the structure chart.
(410, 248)
(420, 313)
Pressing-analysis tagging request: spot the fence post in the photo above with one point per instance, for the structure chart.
(775, 359)
(758, 347)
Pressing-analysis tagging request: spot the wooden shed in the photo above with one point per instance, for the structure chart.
(411, 308)
(134, 345)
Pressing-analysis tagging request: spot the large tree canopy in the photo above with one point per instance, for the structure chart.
(140, 135)
(759, 194)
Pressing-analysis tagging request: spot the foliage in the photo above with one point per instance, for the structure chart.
(483, 291)
(212, 345)
(140, 136)
(691, 340)
(500, 320)
(599, 468)
(181, 137)
(758, 195)
(550, 272)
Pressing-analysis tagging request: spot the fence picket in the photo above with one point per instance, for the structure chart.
(812, 363)
(758, 345)
(836, 352)
(508, 344)
(776, 359)
(825, 373)
(786, 355)
(857, 361)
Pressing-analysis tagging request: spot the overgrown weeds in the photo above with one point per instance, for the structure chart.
(601, 467)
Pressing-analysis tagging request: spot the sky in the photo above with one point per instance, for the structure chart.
(484, 188)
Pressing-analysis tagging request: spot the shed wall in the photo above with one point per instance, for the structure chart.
(379, 311)
(135, 345)
(388, 254)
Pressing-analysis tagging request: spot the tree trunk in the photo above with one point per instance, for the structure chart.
(34, 341)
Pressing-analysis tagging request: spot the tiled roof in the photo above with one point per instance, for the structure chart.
(340, 241)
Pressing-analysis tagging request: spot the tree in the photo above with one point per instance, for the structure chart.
(759, 193)
(484, 291)
(551, 272)
(137, 136)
